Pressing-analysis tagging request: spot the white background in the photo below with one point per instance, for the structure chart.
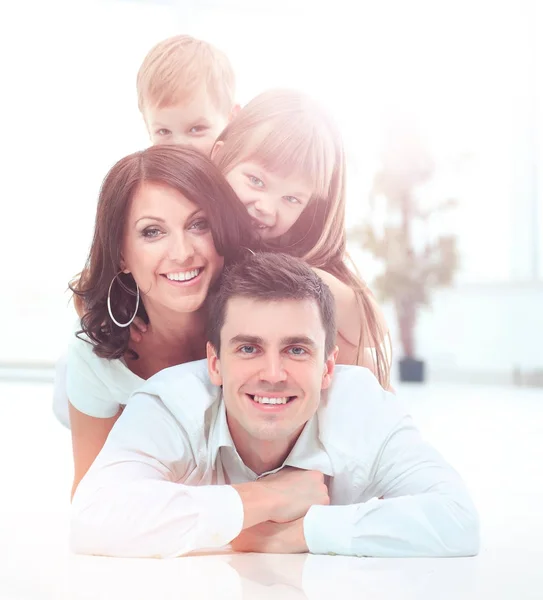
(469, 72)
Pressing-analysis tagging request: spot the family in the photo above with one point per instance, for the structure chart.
(229, 379)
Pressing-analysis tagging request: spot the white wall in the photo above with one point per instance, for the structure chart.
(480, 332)
(73, 112)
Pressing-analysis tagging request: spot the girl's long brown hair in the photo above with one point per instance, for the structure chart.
(181, 168)
(288, 133)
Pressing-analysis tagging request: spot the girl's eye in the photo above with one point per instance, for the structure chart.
(151, 232)
(256, 181)
(198, 129)
(163, 132)
(292, 199)
(200, 225)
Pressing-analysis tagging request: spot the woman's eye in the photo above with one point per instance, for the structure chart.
(200, 225)
(151, 232)
(163, 132)
(255, 181)
(291, 199)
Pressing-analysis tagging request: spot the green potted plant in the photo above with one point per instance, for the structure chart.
(398, 233)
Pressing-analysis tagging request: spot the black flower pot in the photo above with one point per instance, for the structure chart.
(411, 370)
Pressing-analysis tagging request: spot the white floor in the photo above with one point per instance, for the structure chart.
(493, 436)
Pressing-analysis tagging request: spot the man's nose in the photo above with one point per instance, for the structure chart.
(273, 370)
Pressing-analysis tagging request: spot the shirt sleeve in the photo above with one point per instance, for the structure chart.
(86, 382)
(60, 397)
(133, 503)
(420, 507)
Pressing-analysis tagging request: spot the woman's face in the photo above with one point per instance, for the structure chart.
(274, 202)
(169, 249)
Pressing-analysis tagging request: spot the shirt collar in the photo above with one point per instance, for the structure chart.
(219, 436)
(308, 453)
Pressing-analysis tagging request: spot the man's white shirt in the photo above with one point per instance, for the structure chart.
(162, 484)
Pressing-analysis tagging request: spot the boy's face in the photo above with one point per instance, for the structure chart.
(195, 121)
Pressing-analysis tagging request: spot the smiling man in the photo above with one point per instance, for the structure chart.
(269, 446)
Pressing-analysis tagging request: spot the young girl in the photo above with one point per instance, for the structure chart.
(284, 158)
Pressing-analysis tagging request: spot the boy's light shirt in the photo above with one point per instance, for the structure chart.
(160, 485)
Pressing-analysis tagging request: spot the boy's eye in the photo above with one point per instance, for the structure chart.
(163, 132)
(256, 181)
(151, 232)
(198, 129)
(200, 225)
(292, 199)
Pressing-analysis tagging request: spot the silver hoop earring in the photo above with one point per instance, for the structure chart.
(109, 304)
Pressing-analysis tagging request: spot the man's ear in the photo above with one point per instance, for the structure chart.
(215, 151)
(329, 367)
(213, 364)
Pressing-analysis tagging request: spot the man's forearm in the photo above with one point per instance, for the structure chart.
(257, 504)
(151, 518)
(424, 525)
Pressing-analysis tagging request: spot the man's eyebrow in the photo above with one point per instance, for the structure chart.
(295, 340)
(246, 339)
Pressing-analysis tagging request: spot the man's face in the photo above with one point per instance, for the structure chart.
(195, 121)
(272, 367)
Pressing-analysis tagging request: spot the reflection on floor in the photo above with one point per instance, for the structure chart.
(493, 436)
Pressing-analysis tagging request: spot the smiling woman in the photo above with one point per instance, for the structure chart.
(166, 223)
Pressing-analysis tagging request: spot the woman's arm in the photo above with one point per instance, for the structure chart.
(89, 435)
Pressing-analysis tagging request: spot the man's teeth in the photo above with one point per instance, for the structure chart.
(184, 276)
(265, 400)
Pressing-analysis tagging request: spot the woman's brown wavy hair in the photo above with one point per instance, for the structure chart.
(183, 169)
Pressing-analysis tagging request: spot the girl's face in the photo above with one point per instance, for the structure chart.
(168, 247)
(274, 202)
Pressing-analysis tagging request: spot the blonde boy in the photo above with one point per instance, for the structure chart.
(186, 92)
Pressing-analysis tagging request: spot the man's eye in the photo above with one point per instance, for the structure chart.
(298, 351)
(247, 349)
(292, 199)
(256, 181)
(163, 132)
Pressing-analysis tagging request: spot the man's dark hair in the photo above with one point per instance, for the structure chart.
(270, 276)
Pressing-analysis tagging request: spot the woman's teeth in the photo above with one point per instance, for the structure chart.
(184, 276)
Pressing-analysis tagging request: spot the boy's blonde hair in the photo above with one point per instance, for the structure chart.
(176, 67)
(288, 133)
